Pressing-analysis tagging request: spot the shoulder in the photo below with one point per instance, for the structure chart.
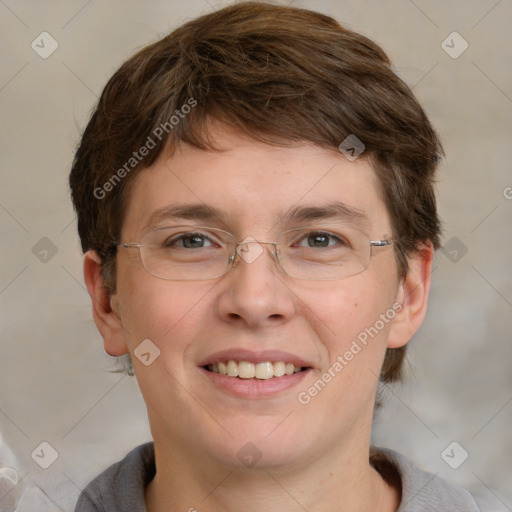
(422, 491)
(121, 486)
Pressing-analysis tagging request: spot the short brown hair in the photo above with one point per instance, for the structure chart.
(279, 74)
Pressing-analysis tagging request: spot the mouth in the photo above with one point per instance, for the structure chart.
(254, 375)
(263, 370)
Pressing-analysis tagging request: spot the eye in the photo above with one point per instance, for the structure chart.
(189, 241)
(321, 239)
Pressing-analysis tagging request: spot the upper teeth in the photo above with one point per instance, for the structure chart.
(246, 370)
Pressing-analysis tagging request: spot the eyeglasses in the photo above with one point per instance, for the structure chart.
(197, 253)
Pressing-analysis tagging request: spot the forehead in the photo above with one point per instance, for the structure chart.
(250, 184)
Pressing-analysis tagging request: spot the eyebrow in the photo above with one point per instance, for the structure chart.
(202, 212)
(335, 211)
(197, 211)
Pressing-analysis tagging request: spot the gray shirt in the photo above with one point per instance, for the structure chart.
(120, 488)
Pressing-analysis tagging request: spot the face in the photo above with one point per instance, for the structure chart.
(256, 313)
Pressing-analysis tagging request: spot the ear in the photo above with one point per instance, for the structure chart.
(104, 307)
(413, 295)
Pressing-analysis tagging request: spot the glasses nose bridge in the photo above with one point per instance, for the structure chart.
(250, 255)
(250, 240)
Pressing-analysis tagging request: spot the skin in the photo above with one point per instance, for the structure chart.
(313, 457)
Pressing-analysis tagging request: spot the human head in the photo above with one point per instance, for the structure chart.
(281, 75)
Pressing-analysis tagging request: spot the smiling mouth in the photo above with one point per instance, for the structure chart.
(246, 370)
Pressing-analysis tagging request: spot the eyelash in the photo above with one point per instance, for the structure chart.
(179, 240)
(173, 241)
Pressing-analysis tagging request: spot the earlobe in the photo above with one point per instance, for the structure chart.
(413, 296)
(105, 307)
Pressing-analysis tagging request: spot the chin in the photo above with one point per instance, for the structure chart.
(254, 448)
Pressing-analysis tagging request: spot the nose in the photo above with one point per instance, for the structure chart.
(254, 292)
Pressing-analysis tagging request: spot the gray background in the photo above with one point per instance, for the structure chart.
(54, 380)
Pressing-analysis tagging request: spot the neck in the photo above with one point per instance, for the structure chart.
(338, 482)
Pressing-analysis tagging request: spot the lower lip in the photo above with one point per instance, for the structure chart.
(255, 388)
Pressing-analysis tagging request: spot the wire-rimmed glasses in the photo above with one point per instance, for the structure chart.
(197, 253)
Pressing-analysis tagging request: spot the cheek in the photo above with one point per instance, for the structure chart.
(166, 312)
(340, 311)
(352, 323)
(352, 319)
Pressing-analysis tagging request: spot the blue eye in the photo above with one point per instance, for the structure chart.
(189, 241)
(320, 239)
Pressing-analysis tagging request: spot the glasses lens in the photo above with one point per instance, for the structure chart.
(324, 253)
(194, 253)
(185, 253)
